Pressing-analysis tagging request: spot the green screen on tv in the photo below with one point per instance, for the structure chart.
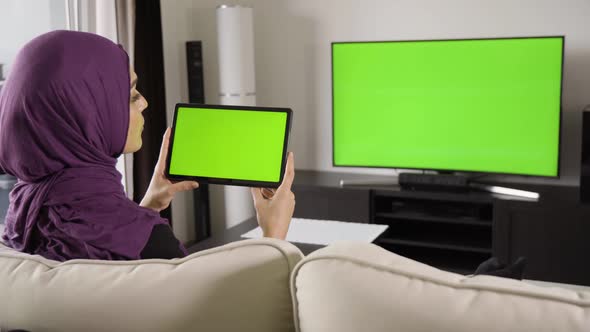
(228, 143)
(481, 105)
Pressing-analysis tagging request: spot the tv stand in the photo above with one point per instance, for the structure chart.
(457, 231)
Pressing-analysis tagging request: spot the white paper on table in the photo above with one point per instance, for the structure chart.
(325, 232)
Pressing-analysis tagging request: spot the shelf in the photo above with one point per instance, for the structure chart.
(437, 196)
(458, 212)
(451, 231)
(435, 245)
(419, 216)
(430, 234)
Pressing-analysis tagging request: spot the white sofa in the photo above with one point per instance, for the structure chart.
(243, 286)
(264, 285)
(362, 287)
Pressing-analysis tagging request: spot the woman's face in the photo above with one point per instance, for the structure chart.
(136, 105)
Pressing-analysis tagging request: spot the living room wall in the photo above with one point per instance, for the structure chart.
(293, 65)
(41, 16)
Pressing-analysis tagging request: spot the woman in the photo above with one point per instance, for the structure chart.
(67, 111)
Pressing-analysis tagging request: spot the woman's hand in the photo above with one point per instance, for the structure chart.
(161, 190)
(275, 209)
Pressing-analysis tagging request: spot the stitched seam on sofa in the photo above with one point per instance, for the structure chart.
(51, 264)
(231, 246)
(293, 290)
(579, 302)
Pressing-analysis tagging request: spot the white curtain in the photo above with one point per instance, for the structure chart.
(125, 25)
(113, 19)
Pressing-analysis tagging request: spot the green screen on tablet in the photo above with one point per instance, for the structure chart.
(235, 145)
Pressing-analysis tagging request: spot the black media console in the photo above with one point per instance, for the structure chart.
(458, 230)
(452, 231)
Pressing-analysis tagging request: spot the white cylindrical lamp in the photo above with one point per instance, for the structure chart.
(237, 81)
(237, 86)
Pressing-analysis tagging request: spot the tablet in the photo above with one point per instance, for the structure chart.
(233, 145)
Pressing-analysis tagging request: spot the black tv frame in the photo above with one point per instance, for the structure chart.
(440, 170)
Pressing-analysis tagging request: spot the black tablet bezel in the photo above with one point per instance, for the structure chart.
(223, 181)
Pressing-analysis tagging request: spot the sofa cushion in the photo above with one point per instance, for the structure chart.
(362, 287)
(242, 286)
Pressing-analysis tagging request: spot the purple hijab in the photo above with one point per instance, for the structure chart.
(64, 116)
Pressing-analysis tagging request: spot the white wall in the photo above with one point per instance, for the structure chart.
(293, 65)
(22, 20)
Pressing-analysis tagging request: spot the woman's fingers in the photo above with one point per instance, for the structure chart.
(161, 164)
(183, 186)
(256, 196)
(289, 174)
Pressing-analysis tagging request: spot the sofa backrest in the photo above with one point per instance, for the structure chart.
(361, 287)
(243, 286)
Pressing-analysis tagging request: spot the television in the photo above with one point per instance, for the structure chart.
(467, 105)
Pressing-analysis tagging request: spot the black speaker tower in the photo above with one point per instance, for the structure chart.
(585, 166)
(196, 95)
(194, 66)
